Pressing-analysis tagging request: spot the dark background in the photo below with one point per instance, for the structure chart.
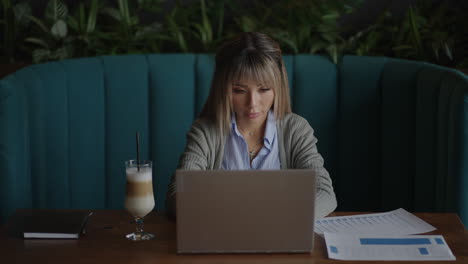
(362, 17)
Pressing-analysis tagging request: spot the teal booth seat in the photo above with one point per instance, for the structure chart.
(393, 133)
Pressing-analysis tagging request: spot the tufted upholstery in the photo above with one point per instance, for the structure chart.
(393, 133)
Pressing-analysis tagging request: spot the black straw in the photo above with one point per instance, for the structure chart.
(138, 150)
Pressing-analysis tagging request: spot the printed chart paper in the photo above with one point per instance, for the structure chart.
(397, 222)
(364, 247)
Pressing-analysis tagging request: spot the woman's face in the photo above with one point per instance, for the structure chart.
(251, 101)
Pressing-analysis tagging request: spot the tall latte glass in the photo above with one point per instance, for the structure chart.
(139, 198)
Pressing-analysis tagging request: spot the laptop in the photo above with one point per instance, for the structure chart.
(248, 211)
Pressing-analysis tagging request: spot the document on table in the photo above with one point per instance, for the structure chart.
(365, 247)
(397, 222)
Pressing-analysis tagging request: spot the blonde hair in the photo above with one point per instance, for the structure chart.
(249, 56)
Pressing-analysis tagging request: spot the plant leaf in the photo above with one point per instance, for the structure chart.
(415, 29)
(81, 17)
(247, 24)
(62, 53)
(448, 52)
(39, 23)
(112, 12)
(204, 29)
(317, 46)
(435, 49)
(37, 41)
(56, 10)
(59, 29)
(40, 55)
(73, 23)
(220, 20)
(22, 11)
(149, 32)
(181, 41)
(124, 12)
(331, 16)
(333, 53)
(92, 16)
(286, 39)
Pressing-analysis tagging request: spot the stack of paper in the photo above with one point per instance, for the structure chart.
(394, 222)
(382, 236)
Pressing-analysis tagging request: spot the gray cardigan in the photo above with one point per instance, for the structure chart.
(297, 147)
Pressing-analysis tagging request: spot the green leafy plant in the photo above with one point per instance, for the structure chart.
(375, 39)
(199, 23)
(429, 31)
(53, 43)
(203, 30)
(125, 32)
(14, 24)
(178, 30)
(256, 18)
(425, 34)
(87, 40)
(302, 26)
(460, 52)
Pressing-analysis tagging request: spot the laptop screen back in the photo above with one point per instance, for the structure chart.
(245, 211)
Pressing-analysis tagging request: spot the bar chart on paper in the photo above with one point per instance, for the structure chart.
(382, 236)
(362, 247)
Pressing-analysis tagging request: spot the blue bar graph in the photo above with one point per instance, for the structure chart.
(423, 251)
(395, 241)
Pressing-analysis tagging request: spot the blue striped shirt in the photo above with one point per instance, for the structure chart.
(236, 153)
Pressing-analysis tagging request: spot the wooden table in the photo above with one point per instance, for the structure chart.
(105, 243)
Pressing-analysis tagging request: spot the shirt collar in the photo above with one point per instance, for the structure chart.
(234, 125)
(270, 129)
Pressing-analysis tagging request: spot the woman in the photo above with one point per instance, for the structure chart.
(247, 122)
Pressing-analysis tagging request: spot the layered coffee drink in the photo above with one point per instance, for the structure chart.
(139, 199)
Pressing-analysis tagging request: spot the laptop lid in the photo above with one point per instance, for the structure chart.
(245, 211)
